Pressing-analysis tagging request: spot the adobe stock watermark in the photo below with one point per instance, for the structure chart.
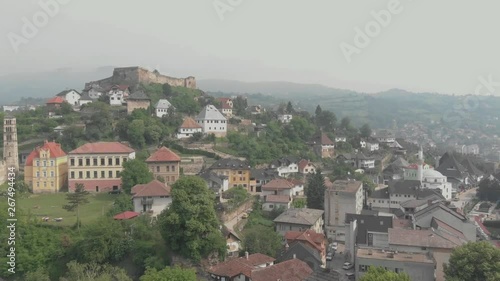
(456, 116)
(372, 29)
(224, 6)
(31, 27)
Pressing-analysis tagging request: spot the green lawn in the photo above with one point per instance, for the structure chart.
(50, 205)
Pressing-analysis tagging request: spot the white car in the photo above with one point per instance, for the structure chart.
(334, 246)
(329, 256)
(348, 266)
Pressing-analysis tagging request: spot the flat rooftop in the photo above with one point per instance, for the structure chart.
(348, 186)
(403, 257)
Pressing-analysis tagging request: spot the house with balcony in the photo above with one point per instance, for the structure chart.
(188, 128)
(286, 166)
(118, 94)
(162, 108)
(151, 198)
(299, 219)
(98, 165)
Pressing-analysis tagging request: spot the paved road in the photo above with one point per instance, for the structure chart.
(338, 261)
(465, 197)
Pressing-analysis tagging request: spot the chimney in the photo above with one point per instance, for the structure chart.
(294, 256)
(246, 255)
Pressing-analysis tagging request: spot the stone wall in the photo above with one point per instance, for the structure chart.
(132, 76)
(192, 165)
(3, 172)
(225, 217)
(137, 104)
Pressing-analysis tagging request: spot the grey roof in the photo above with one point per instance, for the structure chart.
(163, 104)
(211, 176)
(210, 112)
(230, 163)
(302, 251)
(285, 161)
(325, 275)
(367, 223)
(226, 231)
(435, 206)
(471, 168)
(380, 193)
(400, 162)
(412, 187)
(138, 95)
(85, 96)
(63, 93)
(263, 174)
(414, 203)
(450, 167)
(302, 216)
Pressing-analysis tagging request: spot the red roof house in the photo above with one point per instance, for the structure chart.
(103, 148)
(164, 155)
(126, 215)
(152, 197)
(53, 149)
(55, 102)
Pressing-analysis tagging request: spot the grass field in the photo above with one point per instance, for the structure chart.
(50, 205)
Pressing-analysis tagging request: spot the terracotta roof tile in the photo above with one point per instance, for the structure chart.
(309, 236)
(126, 215)
(237, 266)
(164, 155)
(54, 149)
(290, 270)
(302, 164)
(102, 147)
(278, 184)
(189, 123)
(55, 100)
(277, 198)
(153, 189)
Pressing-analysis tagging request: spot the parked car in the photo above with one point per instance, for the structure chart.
(347, 266)
(350, 275)
(329, 256)
(334, 246)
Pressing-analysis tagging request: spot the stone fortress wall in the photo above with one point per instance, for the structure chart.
(132, 76)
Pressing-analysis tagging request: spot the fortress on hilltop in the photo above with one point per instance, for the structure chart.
(133, 76)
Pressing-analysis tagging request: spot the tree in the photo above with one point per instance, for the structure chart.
(262, 239)
(135, 172)
(474, 261)
(315, 191)
(380, 274)
(39, 275)
(121, 204)
(318, 110)
(169, 273)
(167, 90)
(489, 189)
(299, 203)
(345, 123)
(365, 131)
(326, 120)
(289, 108)
(190, 226)
(135, 132)
(75, 200)
(94, 272)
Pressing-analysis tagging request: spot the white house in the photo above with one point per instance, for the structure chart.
(283, 187)
(162, 107)
(286, 166)
(274, 202)
(152, 197)
(433, 179)
(212, 121)
(340, 139)
(188, 128)
(372, 146)
(70, 96)
(85, 98)
(306, 167)
(285, 118)
(364, 162)
(362, 143)
(117, 95)
(7, 108)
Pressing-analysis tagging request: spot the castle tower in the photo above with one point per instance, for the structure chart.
(10, 150)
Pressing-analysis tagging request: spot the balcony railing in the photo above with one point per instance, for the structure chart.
(147, 201)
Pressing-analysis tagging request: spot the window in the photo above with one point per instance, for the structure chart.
(103, 174)
(44, 163)
(95, 161)
(44, 174)
(37, 174)
(52, 174)
(88, 174)
(271, 206)
(117, 174)
(117, 161)
(87, 162)
(80, 162)
(173, 168)
(110, 174)
(157, 169)
(110, 161)
(72, 175)
(52, 183)
(80, 175)
(103, 162)
(52, 163)
(95, 174)
(72, 162)
(168, 168)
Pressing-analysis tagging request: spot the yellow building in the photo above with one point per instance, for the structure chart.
(237, 171)
(46, 168)
(98, 165)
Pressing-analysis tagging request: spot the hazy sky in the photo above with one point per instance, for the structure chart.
(440, 46)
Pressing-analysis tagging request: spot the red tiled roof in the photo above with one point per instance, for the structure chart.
(290, 270)
(164, 155)
(449, 228)
(55, 100)
(102, 147)
(309, 236)
(126, 215)
(277, 198)
(226, 106)
(325, 140)
(224, 100)
(481, 225)
(54, 149)
(120, 87)
(415, 166)
(154, 189)
(258, 258)
(90, 184)
(278, 184)
(302, 164)
(402, 223)
(296, 182)
(237, 266)
(189, 123)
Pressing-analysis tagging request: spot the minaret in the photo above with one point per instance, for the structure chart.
(420, 172)
(10, 150)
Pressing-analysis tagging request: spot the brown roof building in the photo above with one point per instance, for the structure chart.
(164, 163)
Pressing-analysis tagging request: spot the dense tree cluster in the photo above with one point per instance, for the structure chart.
(381, 274)
(489, 189)
(474, 261)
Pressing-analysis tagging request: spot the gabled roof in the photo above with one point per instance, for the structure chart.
(102, 147)
(163, 154)
(309, 236)
(154, 188)
(231, 163)
(263, 174)
(211, 176)
(55, 100)
(119, 87)
(471, 168)
(63, 93)
(302, 216)
(210, 112)
(126, 215)
(290, 270)
(54, 149)
(435, 206)
(163, 104)
(277, 198)
(412, 187)
(242, 265)
(286, 161)
(303, 164)
(85, 96)
(138, 95)
(189, 123)
(450, 167)
(322, 139)
(278, 184)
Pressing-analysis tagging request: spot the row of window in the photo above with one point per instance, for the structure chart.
(364, 268)
(97, 161)
(44, 174)
(44, 163)
(167, 169)
(44, 184)
(95, 175)
(215, 128)
(212, 121)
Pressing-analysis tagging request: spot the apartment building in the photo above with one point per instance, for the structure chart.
(164, 163)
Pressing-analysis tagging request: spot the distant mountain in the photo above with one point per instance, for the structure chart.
(13, 87)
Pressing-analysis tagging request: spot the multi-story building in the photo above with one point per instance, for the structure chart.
(341, 197)
(98, 165)
(118, 94)
(323, 146)
(299, 219)
(162, 107)
(188, 128)
(153, 197)
(212, 121)
(164, 163)
(70, 96)
(286, 166)
(237, 171)
(138, 100)
(46, 168)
